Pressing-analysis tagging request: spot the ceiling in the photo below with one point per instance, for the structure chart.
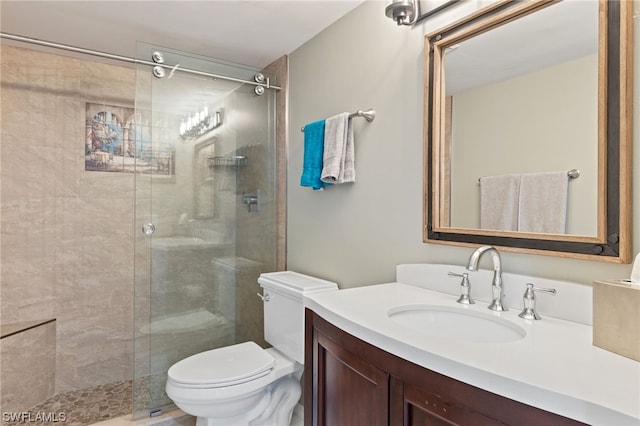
(253, 33)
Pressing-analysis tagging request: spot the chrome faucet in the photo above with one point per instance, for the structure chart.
(497, 288)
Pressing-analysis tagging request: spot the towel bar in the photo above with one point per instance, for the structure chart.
(572, 174)
(369, 115)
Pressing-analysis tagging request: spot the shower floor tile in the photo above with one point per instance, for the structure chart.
(84, 406)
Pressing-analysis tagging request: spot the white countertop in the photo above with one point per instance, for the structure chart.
(554, 367)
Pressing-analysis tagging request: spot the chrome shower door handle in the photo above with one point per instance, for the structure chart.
(148, 228)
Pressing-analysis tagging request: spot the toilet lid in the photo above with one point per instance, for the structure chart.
(224, 366)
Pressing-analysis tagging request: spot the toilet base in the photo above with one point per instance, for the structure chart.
(274, 409)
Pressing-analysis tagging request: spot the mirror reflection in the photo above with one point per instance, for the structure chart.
(527, 128)
(524, 100)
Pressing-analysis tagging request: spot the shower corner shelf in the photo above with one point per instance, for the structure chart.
(234, 161)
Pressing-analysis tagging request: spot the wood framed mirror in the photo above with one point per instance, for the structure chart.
(524, 87)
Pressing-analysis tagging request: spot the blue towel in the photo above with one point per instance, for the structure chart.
(313, 154)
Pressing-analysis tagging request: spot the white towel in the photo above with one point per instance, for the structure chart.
(499, 202)
(543, 202)
(338, 159)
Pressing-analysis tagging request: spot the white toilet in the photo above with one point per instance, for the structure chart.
(244, 384)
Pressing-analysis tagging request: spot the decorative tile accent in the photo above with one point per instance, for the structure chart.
(116, 142)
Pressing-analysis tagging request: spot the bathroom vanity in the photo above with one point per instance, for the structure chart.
(355, 383)
(366, 365)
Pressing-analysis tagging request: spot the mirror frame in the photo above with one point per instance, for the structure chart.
(615, 75)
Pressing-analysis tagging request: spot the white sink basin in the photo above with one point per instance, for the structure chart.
(456, 323)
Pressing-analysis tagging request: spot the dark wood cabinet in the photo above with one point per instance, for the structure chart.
(350, 391)
(349, 382)
(421, 407)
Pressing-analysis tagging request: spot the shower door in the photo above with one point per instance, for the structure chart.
(205, 153)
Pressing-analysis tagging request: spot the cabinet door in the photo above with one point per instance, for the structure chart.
(347, 390)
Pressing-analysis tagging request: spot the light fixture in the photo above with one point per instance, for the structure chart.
(404, 12)
(200, 122)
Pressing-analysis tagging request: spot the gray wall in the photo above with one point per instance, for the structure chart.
(355, 234)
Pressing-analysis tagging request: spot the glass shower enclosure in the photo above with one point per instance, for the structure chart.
(206, 207)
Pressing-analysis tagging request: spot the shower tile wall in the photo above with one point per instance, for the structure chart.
(28, 366)
(66, 234)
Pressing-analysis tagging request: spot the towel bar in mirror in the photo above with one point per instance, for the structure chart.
(569, 106)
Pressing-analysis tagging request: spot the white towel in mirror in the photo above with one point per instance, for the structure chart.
(543, 202)
(499, 202)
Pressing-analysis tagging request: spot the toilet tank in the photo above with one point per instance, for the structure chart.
(283, 294)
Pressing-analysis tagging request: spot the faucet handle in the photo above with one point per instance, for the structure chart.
(529, 301)
(465, 289)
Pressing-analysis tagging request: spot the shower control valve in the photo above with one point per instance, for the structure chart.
(252, 200)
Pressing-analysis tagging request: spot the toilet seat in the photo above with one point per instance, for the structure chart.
(222, 367)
